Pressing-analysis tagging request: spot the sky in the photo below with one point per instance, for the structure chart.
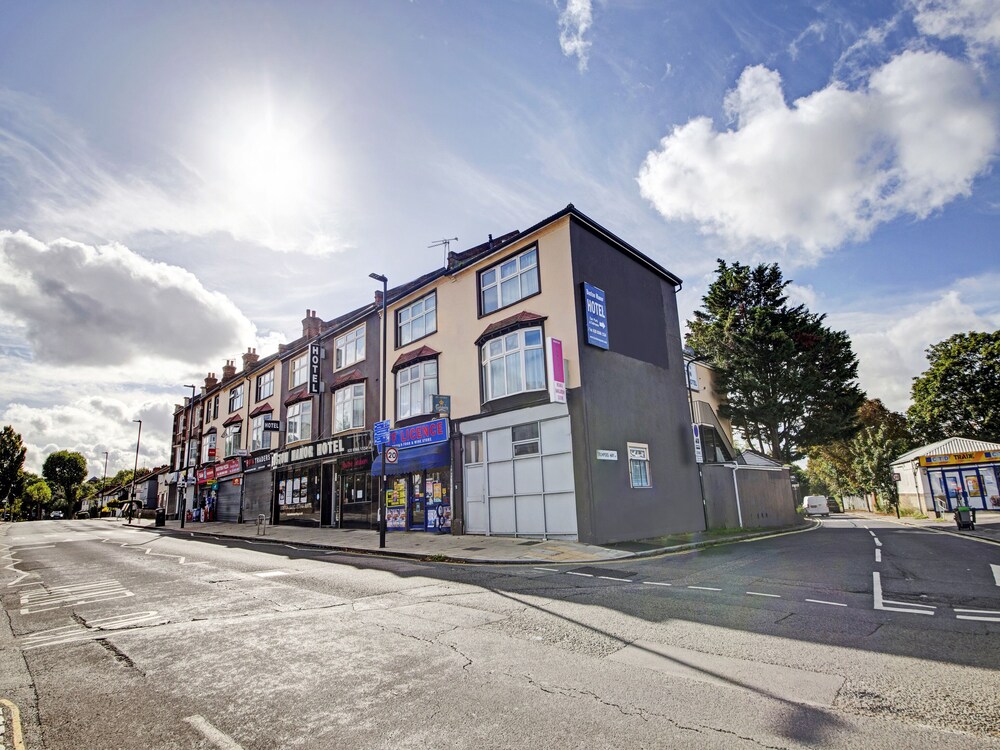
(180, 181)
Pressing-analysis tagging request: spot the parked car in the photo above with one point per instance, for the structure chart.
(56, 514)
(816, 505)
(834, 506)
(82, 514)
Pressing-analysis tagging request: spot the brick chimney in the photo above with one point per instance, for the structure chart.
(228, 370)
(378, 298)
(311, 325)
(250, 358)
(211, 381)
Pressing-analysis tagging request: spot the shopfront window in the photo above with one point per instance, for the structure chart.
(298, 493)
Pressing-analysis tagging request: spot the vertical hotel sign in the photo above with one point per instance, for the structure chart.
(557, 370)
(596, 312)
(314, 361)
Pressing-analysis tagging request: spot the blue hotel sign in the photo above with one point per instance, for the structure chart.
(597, 316)
(425, 433)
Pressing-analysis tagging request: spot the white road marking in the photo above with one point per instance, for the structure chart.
(213, 735)
(270, 573)
(548, 570)
(878, 555)
(574, 573)
(820, 601)
(612, 578)
(880, 603)
(657, 583)
(757, 593)
(979, 611)
(996, 573)
(871, 532)
(977, 618)
(704, 588)
(17, 548)
(43, 600)
(878, 543)
(96, 629)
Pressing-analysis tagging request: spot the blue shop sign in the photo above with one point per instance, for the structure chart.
(380, 432)
(425, 433)
(597, 316)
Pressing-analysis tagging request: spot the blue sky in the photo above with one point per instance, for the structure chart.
(179, 181)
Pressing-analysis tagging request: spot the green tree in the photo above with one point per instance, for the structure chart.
(959, 393)
(874, 449)
(12, 453)
(37, 496)
(789, 382)
(66, 470)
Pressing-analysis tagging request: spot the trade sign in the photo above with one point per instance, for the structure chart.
(391, 455)
(596, 311)
(441, 405)
(425, 433)
(699, 457)
(557, 370)
(272, 425)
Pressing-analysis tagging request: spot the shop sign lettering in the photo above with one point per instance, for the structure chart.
(425, 433)
(322, 449)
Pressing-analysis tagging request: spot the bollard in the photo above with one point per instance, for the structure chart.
(261, 525)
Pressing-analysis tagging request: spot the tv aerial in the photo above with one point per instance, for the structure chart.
(446, 244)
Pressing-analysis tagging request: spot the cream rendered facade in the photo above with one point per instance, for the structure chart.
(457, 329)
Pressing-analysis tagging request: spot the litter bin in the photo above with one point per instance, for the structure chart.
(965, 517)
(161, 517)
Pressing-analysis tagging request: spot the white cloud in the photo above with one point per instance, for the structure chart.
(93, 425)
(835, 164)
(264, 185)
(975, 21)
(106, 306)
(816, 28)
(574, 21)
(891, 339)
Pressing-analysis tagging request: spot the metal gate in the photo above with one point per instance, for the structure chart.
(227, 501)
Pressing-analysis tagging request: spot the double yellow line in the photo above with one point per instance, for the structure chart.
(15, 722)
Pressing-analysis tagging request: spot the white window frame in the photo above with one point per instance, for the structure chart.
(406, 319)
(207, 444)
(408, 377)
(349, 348)
(639, 475)
(298, 370)
(236, 398)
(294, 422)
(260, 439)
(233, 438)
(344, 402)
(516, 268)
(500, 348)
(267, 381)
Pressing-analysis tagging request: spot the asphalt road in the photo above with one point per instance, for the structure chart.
(119, 638)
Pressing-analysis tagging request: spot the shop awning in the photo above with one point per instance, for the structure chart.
(414, 459)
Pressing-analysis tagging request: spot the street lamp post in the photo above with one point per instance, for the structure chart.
(135, 468)
(184, 457)
(104, 483)
(385, 328)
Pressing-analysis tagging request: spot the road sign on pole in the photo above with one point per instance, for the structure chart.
(391, 455)
(380, 432)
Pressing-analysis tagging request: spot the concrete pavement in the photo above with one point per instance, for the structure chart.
(500, 550)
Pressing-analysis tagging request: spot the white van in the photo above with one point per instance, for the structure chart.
(815, 505)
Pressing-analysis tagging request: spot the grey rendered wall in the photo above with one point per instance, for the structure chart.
(633, 393)
(766, 497)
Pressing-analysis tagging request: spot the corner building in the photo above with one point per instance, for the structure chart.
(560, 349)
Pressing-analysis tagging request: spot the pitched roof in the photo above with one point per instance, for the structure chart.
(347, 378)
(518, 320)
(424, 352)
(948, 445)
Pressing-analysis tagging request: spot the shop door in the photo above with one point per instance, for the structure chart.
(416, 501)
(953, 488)
(972, 483)
(990, 489)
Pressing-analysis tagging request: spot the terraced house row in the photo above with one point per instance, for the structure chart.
(535, 385)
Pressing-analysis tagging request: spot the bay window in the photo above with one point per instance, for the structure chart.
(260, 439)
(298, 422)
(349, 408)
(414, 387)
(232, 439)
(208, 448)
(513, 363)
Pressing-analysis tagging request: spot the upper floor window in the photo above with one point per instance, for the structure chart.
(208, 448)
(298, 422)
(417, 320)
(513, 363)
(236, 398)
(349, 408)
(260, 439)
(300, 370)
(215, 415)
(265, 385)
(414, 388)
(512, 280)
(350, 347)
(232, 438)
